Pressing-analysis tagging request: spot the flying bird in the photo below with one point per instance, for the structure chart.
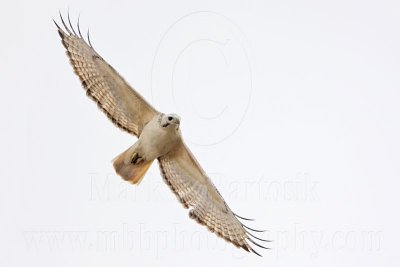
(159, 137)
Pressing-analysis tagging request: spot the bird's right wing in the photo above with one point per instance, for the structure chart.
(194, 189)
(126, 108)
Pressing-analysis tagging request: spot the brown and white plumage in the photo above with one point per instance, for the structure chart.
(124, 106)
(130, 112)
(194, 189)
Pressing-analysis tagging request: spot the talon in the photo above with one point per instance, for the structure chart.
(134, 158)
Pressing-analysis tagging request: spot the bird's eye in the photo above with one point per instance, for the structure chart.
(169, 118)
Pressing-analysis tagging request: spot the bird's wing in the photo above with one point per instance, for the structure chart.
(194, 189)
(120, 102)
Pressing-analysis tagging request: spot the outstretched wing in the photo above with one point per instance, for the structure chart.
(125, 107)
(194, 189)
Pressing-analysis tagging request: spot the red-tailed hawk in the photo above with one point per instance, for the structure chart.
(159, 137)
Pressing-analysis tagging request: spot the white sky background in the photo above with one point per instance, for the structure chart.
(291, 108)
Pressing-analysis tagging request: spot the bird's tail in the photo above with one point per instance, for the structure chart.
(131, 172)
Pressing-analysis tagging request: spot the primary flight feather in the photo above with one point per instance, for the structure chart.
(159, 137)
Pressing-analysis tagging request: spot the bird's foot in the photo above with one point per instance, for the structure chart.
(135, 159)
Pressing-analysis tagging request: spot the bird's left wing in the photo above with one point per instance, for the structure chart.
(194, 189)
(126, 108)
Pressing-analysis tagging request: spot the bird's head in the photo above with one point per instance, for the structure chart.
(170, 121)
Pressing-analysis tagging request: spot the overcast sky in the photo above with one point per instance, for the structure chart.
(291, 107)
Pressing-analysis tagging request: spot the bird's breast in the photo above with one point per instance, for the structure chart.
(156, 141)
